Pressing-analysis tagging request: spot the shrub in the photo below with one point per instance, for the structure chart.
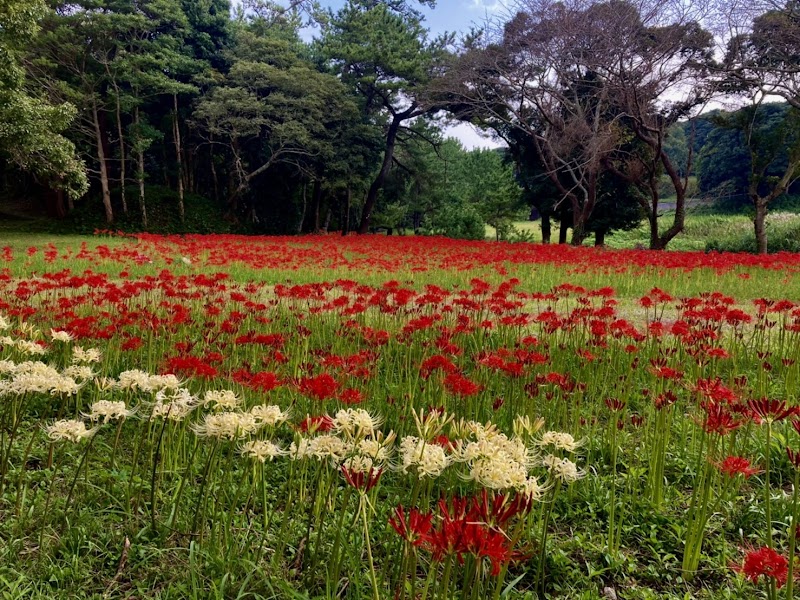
(203, 215)
(783, 235)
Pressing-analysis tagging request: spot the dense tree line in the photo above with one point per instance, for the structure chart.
(108, 107)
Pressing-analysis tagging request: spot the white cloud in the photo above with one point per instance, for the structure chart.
(471, 137)
(489, 8)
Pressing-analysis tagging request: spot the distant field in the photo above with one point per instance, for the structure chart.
(699, 229)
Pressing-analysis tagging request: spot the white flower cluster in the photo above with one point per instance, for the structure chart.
(35, 377)
(494, 460)
(60, 336)
(262, 450)
(229, 425)
(356, 423)
(559, 440)
(425, 458)
(356, 444)
(69, 430)
(269, 415)
(221, 399)
(26, 347)
(174, 404)
(562, 468)
(233, 425)
(88, 355)
(559, 467)
(321, 447)
(108, 410)
(136, 380)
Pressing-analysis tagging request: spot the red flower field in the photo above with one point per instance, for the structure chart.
(397, 418)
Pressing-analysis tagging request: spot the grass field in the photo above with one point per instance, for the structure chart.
(395, 417)
(699, 229)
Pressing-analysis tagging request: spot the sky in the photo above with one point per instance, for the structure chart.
(457, 16)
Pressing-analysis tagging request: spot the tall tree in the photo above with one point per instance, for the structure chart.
(567, 74)
(30, 126)
(762, 63)
(381, 50)
(108, 57)
(273, 108)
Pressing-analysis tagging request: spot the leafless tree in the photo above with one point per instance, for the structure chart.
(578, 77)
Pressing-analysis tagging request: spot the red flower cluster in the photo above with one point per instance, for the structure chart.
(736, 465)
(465, 526)
(765, 562)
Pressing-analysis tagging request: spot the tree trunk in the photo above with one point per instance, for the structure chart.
(311, 212)
(546, 229)
(652, 210)
(346, 216)
(122, 157)
(680, 186)
(760, 223)
(214, 177)
(327, 222)
(562, 230)
(578, 234)
(302, 211)
(101, 159)
(581, 214)
(655, 242)
(372, 195)
(140, 177)
(140, 173)
(189, 170)
(600, 238)
(315, 202)
(176, 134)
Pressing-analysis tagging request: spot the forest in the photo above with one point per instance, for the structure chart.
(257, 117)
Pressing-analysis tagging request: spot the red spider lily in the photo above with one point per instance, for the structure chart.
(563, 381)
(719, 420)
(662, 371)
(714, 390)
(460, 385)
(461, 529)
(435, 362)
(350, 396)
(737, 465)
(794, 458)
(496, 510)
(415, 529)
(190, 365)
(771, 410)
(615, 404)
(319, 387)
(263, 381)
(363, 482)
(765, 562)
(665, 400)
(318, 423)
(443, 441)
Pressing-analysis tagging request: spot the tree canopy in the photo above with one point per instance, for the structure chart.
(210, 109)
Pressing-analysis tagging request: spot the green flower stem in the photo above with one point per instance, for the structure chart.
(363, 510)
(792, 538)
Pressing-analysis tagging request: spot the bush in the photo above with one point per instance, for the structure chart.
(203, 215)
(783, 235)
(460, 221)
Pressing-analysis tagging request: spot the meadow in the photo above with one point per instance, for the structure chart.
(395, 417)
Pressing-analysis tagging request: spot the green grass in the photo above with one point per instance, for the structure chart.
(699, 229)
(80, 549)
